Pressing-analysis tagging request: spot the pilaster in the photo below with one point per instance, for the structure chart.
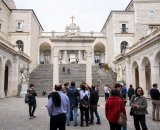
(89, 68)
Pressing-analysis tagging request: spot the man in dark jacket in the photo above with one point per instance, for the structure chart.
(73, 95)
(32, 100)
(94, 97)
(155, 95)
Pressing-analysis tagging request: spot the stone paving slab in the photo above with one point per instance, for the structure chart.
(14, 116)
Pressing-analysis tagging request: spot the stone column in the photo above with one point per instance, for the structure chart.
(55, 68)
(142, 79)
(155, 75)
(65, 59)
(106, 60)
(2, 72)
(133, 79)
(52, 50)
(127, 76)
(89, 67)
(79, 56)
(93, 59)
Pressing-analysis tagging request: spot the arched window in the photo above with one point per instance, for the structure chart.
(20, 45)
(124, 45)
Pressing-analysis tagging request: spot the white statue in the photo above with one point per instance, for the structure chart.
(24, 75)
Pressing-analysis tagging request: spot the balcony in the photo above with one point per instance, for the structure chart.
(124, 30)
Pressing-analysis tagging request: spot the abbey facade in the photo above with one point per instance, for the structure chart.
(129, 42)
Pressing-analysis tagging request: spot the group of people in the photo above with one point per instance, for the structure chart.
(86, 99)
(64, 69)
(115, 105)
(66, 100)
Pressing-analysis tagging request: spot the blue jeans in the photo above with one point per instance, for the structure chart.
(74, 115)
(124, 127)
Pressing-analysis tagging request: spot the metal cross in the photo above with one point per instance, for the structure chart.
(72, 18)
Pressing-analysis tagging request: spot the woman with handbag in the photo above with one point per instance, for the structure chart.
(138, 105)
(113, 108)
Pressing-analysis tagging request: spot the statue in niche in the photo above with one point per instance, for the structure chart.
(24, 74)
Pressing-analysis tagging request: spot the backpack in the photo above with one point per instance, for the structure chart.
(85, 102)
(26, 99)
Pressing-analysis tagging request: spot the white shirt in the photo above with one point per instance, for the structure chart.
(83, 93)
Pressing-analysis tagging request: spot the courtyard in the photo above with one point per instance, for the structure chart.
(14, 116)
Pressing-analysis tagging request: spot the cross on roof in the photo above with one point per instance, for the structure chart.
(72, 18)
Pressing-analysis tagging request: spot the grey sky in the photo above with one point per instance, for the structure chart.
(55, 14)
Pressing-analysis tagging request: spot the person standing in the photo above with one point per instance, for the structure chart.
(130, 91)
(73, 95)
(139, 105)
(94, 97)
(114, 105)
(84, 104)
(106, 91)
(32, 100)
(155, 95)
(58, 106)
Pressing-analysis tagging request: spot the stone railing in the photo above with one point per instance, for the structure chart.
(143, 39)
(62, 34)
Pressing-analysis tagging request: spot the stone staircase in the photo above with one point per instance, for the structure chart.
(42, 77)
(77, 73)
(106, 77)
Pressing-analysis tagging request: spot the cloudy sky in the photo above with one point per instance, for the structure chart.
(90, 15)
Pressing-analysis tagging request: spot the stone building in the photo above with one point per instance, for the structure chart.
(128, 42)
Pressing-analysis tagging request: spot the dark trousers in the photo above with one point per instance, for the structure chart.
(114, 126)
(86, 110)
(93, 110)
(32, 109)
(106, 95)
(140, 119)
(58, 121)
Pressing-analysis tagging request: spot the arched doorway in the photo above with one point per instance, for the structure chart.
(157, 63)
(135, 74)
(147, 66)
(45, 53)
(7, 77)
(99, 53)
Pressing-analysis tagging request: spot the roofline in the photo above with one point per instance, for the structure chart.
(129, 4)
(33, 13)
(6, 5)
(113, 11)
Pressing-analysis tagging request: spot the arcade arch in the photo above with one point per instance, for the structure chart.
(99, 53)
(7, 77)
(157, 65)
(146, 65)
(45, 53)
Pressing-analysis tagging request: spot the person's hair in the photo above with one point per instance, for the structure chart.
(73, 83)
(83, 87)
(66, 84)
(31, 85)
(142, 93)
(118, 86)
(154, 85)
(93, 87)
(131, 86)
(58, 87)
(115, 92)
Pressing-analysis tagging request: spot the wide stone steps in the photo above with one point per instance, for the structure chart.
(42, 77)
(77, 73)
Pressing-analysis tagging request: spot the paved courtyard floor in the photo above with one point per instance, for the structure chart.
(14, 116)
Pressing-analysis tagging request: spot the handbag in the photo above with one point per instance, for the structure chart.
(122, 119)
(131, 112)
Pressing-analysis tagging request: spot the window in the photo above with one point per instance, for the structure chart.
(151, 13)
(19, 26)
(20, 45)
(124, 29)
(124, 45)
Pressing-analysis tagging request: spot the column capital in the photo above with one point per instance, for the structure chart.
(55, 53)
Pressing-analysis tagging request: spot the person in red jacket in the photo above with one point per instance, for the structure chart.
(114, 105)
